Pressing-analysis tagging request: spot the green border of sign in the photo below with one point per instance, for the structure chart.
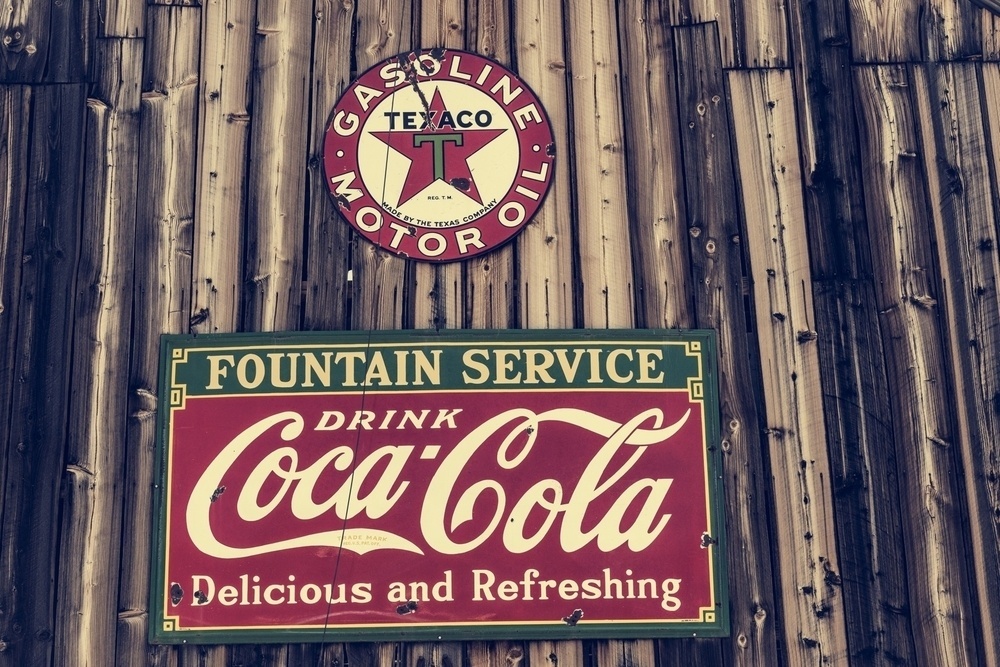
(470, 631)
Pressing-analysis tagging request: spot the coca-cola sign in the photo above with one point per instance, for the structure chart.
(414, 485)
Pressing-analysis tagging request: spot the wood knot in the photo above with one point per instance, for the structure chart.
(13, 38)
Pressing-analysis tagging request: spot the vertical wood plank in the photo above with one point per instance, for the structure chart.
(599, 166)
(440, 654)
(692, 12)
(962, 184)
(276, 195)
(329, 237)
(544, 250)
(385, 654)
(162, 290)
(495, 654)
(121, 18)
(989, 35)
(896, 202)
(952, 29)
(45, 42)
(828, 140)
(381, 297)
(223, 130)
(855, 386)
(631, 653)
(716, 247)
(90, 552)
(911, 31)
(15, 142)
(316, 655)
(490, 279)
(761, 28)
(768, 165)
(35, 435)
(864, 465)
(201, 656)
(885, 31)
(658, 225)
(439, 294)
(555, 653)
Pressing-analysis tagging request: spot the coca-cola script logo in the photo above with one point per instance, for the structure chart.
(438, 155)
(634, 518)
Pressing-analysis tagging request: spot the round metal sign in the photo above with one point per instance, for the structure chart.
(438, 155)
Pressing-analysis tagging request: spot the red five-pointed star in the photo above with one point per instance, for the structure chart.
(439, 151)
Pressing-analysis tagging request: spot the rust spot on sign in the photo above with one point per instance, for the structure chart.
(218, 492)
(176, 594)
(409, 607)
(573, 618)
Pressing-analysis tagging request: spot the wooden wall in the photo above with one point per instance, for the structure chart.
(816, 180)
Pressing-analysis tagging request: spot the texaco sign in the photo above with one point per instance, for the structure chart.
(438, 155)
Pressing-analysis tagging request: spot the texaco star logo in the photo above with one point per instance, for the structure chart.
(438, 155)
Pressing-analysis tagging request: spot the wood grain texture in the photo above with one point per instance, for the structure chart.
(693, 12)
(864, 466)
(828, 141)
(768, 163)
(490, 279)
(384, 654)
(201, 656)
(48, 157)
(220, 198)
(906, 288)
(989, 35)
(432, 654)
(883, 32)
(45, 42)
(120, 18)
(951, 30)
(855, 386)
(329, 237)
(89, 550)
(496, 654)
(555, 653)
(162, 289)
(912, 31)
(598, 147)
(761, 31)
(15, 142)
(316, 655)
(961, 177)
(657, 220)
(716, 248)
(544, 258)
(381, 297)
(276, 195)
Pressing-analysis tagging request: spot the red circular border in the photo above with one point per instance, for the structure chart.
(492, 233)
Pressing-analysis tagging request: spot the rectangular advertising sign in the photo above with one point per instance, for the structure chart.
(438, 485)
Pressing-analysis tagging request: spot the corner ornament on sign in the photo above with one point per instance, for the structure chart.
(438, 155)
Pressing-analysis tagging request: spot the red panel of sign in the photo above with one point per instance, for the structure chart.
(498, 485)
